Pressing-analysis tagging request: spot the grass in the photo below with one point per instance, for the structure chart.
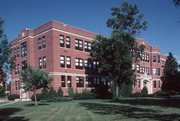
(132, 109)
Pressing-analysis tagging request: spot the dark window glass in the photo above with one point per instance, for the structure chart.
(44, 62)
(63, 81)
(68, 42)
(24, 49)
(69, 81)
(79, 81)
(62, 61)
(78, 44)
(79, 63)
(154, 58)
(61, 37)
(24, 65)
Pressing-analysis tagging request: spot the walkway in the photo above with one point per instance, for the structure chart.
(6, 102)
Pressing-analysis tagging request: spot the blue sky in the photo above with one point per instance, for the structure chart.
(162, 16)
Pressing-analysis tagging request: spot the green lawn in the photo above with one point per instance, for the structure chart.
(140, 109)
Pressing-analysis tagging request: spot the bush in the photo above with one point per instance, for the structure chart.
(60, 92)
(84, 95)
(144, 91)
(38, 97)
(126, 90)
(71, 92)
(101, 92)
(161, 93)
(137, 94)
(52, 93)
(13, 97)
(59, 99)
(44, 93)
(2, 90)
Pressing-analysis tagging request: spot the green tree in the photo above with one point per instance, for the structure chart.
(34, 79)
(44, 93)
(52, 93)
(6, 62)
(60, 92)
(169, 74)
(115, 53)
(71, 92)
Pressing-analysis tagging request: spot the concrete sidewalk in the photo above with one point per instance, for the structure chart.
(6, 102)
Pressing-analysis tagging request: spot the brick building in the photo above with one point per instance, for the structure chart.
(63, 51)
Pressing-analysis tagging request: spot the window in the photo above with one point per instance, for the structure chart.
(68, 62)
(154, 71)
(154, 58)
(17, 52)
(158, 57)
(39, 44)
(18, 69)
(23, 49)
(68, 42)
(158, 73)
(147, 57)
(24, 65)
(154, 84)
(40, 63)
(89, 81)
(61, 40)
(159, 84)
(85, 63)
(79, 63)
(17, 85)
(43, 42)
(78, 44)
(44, 62)
(138, 68)
(79, 81)
(69, 81)
(62, 61)
(87, 46)
(63, 80)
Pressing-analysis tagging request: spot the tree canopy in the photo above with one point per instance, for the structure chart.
(6, 62)
(170, 74)
(34, 79)
(127, 19)
(114, 53)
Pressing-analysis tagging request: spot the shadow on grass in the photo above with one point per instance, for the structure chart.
(128, 112)
(33, 104)
(163, 102)
(5, 114)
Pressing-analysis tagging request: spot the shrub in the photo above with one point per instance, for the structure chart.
(44, 93)
(71, 92)
(2, 90)
(144, 91)
(160, 93)
(13, 97)
(101, 92)
(52, 93)
(84, 95)
(59, 99)
(126, 90)
(60, 92)
(38, 97)
(137, 94)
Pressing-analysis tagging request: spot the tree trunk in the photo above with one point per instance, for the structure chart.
(35, 98)
(117, 92)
